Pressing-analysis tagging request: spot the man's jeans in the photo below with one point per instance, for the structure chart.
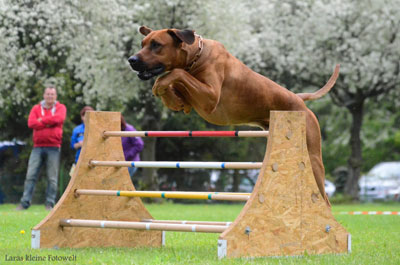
(39, 156)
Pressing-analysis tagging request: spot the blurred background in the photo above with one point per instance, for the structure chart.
(82, 47)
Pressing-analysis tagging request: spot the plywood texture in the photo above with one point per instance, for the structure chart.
(285, 214)
(98, 207)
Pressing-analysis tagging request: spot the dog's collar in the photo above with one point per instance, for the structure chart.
(197, 56)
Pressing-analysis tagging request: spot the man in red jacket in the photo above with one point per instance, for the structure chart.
(46, 119)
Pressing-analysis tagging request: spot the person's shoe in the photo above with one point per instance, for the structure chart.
(49, 207)
(20, 208)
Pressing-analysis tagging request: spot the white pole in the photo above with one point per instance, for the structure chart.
(143, 226)
(176, 164)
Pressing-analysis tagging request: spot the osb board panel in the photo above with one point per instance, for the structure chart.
(98, 207)
(285, 214)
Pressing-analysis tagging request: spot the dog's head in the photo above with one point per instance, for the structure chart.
(162, 50)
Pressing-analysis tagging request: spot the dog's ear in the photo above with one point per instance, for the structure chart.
(145, 30)
(186, 35)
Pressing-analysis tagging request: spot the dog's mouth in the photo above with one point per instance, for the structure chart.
(143, 71)
(149, 73)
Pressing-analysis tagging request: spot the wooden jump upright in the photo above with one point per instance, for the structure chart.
(284, 215)
(49, 234)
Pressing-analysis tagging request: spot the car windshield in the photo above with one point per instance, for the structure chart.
(385, 171)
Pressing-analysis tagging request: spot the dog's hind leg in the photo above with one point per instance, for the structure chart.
(315, 152)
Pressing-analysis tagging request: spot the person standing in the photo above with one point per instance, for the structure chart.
(78, 133)
(132, 146)
(46, 119)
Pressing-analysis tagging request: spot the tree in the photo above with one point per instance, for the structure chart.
(307, 38)
(82, 47)
(209, 19)
(59, 43)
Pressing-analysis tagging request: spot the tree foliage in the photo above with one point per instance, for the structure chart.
(305, 39)
(82, 47)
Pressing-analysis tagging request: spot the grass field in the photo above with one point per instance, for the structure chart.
(375, 239)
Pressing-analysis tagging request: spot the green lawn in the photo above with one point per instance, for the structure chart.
(375, 239)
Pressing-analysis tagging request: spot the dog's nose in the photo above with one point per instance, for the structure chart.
(133, 60)
(136, 63)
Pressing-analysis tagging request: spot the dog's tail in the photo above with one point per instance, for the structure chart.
(324, 90)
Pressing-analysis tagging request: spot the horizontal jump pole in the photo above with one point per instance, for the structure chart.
(371, 213)
(142, 226)
(167, 195)
(172, 164)
(187, 222)
(185, 134)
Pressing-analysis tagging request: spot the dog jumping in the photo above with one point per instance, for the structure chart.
(201, 74)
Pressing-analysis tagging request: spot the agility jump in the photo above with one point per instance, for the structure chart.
(284, 215)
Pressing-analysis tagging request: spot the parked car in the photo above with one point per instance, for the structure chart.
(382, 182)
(10, 178)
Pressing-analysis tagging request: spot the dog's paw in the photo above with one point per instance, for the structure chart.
(158, 90)
(173, 100)
(187, 108)
(162, 84)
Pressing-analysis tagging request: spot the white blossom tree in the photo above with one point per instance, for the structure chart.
(209, 19)
(83, 46)
(57, 42)
(303, 40)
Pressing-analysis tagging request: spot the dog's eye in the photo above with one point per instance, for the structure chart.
(154, 45)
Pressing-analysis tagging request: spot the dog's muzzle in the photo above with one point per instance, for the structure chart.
(143, 72)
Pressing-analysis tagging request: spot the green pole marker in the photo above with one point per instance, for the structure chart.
(209, 196)
(118, 193)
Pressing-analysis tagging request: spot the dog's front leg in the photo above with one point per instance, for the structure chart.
(173, 100)
(200, 95)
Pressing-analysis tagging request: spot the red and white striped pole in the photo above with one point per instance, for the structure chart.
(185, 134)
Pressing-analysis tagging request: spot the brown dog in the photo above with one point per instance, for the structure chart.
(202, 74)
